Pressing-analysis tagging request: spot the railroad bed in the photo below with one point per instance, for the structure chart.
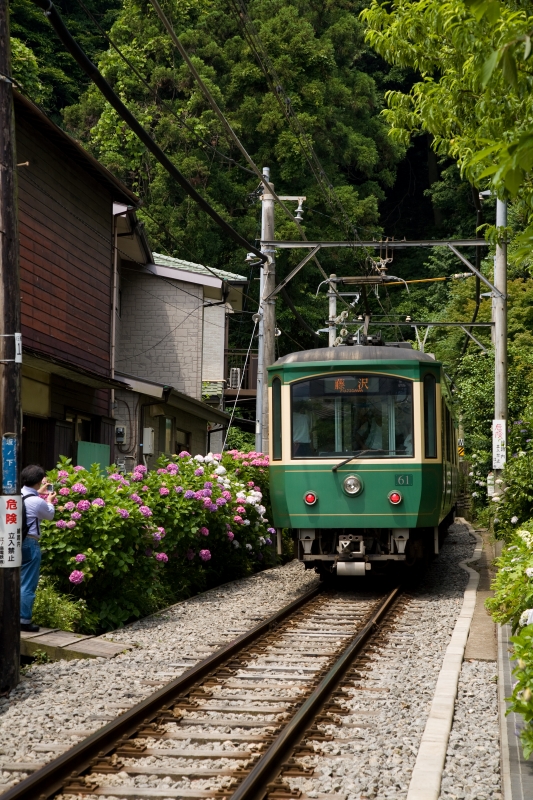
(228, 728)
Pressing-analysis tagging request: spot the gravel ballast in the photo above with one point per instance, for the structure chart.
(57, 705)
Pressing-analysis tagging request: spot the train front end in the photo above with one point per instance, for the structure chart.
(362, 449)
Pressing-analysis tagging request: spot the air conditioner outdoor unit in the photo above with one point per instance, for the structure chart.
(234, 378)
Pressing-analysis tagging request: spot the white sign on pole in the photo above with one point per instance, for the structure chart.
(499, 443)
(10, 531)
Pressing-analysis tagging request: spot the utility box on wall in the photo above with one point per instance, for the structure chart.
(88, 453)
(148, 441)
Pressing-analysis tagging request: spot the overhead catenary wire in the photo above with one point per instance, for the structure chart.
(113, 99)
(226, 125)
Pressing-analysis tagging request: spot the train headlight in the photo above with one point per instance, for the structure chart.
(395, 498)
(352, 485)
(310, 498)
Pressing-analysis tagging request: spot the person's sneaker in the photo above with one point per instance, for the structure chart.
(29, 626)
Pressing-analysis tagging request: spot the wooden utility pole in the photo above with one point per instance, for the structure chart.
(10, 365)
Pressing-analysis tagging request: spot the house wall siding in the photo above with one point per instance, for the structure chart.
(213, 343)
(65, 224)
(161, 331)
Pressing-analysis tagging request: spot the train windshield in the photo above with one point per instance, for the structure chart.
(368, 416)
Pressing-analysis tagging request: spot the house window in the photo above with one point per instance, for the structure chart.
(166, 439)
(82, 424)
(183, 440)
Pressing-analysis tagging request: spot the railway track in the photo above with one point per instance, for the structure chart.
(226, 728)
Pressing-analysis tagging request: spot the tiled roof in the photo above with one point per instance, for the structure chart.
(189, 266)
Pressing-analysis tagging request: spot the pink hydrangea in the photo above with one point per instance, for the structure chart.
(123, 513)
(207, 502)
(163, 491)
(161, 471)
(178, 489)
(237, 519)
(145, 488)
(204, 531)
(190, 554)
(184, 454)
(241, 510)
(98, 502)
(137, 476)
(145, 511)
(250, 483)
(141, 468)
(227, 495)
(62, 473)
(76, 576)
(80, 557)
(115, 476)
(79, 488)
(64, 491)
(75, 515)
(161, 557)
(79, 468)
(205, 555)
(135, 498)
(230, 535)
(71, 524)
(61, 523)
(162, 531)
(199, 471)
(55, 501)
(70, 506)
(84, 505)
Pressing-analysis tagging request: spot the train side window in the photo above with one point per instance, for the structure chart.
(430, 416)
(276, 419)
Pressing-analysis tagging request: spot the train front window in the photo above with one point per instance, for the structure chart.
(352, 415)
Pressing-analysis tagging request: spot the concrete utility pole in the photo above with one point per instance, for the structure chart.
(332, 297)
(267, 318)
(499, 317)
(10, 361)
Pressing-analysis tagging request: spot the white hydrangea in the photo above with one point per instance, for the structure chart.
(470, 474)
(220, 470)
(496, 499)
(514, 520)
(246, 522)
(209, 458)
(247, 545)
(261, 509)
(529, 572)
(199, 458)
(241, 495)
(526, 617)
(499, 481)
(235, 543)
(252, 501)
(262, 541)
(526, 537)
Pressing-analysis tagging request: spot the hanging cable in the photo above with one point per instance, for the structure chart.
(113, 99)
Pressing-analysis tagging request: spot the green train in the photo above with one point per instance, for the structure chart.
(363, 456)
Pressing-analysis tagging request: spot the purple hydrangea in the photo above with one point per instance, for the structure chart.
(204, 531)
(213, 507)
(115, 476)
(162, 532)
(163, 491)
(137, 476)
(161, 471)
(271, 530)
(145, 511)
(156, 537)
(135, 498)
(79, 468)
(76, 576)
(161, 557)
(184, 454)
(268, 541)
(221, 501)
(70, 506)
(205, 555)
(207, 502)
(62, 473)
(61, 523)
(123, 513)
(226, 495)
(75, 515)
(148, 552)
(79, 488)
(64, 491)
(188, 494)
(80, 557)
(208, 485)
(141, 468)
(179, 489)
(71, 524)
(206, 492)
(199, 471)
(98, 502)
(84, 505)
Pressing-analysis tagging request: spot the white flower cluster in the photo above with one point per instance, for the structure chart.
(526, 617)
(526, 537)
(529, 572)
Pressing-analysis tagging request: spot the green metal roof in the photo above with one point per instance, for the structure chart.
(199, 269)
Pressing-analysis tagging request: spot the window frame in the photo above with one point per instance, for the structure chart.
(430, 377)
(277, 419)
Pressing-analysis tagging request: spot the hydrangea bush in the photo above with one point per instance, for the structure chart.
(129, 544)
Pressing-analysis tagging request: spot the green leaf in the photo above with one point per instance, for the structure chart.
(527, 47)
(509, 70)
(488, 67)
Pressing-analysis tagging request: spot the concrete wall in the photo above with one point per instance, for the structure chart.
(160, 332)
(213, 343)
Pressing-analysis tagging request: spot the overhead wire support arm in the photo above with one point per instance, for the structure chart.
(291, 274)
(113, 99)
(475, 270)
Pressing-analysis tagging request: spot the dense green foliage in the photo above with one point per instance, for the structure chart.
(129, 545)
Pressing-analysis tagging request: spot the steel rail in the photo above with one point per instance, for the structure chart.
(255, 785)
(51, 778)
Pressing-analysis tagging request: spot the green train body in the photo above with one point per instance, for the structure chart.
(384, 410)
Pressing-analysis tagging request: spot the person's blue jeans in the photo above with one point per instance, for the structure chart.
(29, 576)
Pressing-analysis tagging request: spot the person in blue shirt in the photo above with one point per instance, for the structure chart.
(38, 504)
